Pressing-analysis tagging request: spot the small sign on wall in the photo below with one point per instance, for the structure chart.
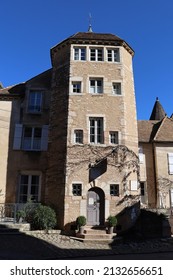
(133, 185)
(91, 201)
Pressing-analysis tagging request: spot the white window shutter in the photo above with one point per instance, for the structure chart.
(44, 138)
(17, 137)
(134, 185)
(170, 163)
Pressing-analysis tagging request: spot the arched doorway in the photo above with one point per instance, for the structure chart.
(95, 206)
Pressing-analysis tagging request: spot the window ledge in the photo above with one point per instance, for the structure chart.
(97, 94)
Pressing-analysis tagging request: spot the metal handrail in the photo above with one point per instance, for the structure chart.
(8, 211)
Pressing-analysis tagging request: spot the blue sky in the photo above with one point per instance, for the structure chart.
(28, 29)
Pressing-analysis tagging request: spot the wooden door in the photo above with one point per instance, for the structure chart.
(93, 208)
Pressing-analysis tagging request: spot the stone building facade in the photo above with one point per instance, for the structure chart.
(73, 141)
(156, 158)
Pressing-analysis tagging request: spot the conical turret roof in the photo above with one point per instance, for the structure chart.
(158, 113)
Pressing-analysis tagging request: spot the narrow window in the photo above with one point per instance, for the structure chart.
(35, 102)
(96, 130)
(29, 188)
(77, 189)
(116, 88)
(114, 190)
(142, 186)
(141, 155)
(78, 136)
(113, 136)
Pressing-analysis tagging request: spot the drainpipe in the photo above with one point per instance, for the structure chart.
(155, 173)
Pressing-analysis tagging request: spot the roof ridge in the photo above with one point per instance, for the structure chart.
(161, 124)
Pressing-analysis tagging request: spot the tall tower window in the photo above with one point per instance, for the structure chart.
(96, 130)
(113, 55)
(79, 53)
(96, 86)
(96, 54)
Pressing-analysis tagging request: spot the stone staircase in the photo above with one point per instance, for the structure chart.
(96, 234)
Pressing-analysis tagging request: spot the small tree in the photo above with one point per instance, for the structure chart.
(112, 221)
(44, 217)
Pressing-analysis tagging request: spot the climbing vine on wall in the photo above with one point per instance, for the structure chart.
(164, 186)
(121, 157)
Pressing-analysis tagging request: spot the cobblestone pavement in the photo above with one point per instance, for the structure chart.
(54, 246)
(70, 247)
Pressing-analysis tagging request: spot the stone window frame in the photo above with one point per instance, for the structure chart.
(117, 88)
(114, 189)
(78, 139)
(96, 89)
(77, 189)
(96, 136)
(76, 87)
(116, 137)
(96, 54)
(79, 54)
(76, 80)
(110, 54)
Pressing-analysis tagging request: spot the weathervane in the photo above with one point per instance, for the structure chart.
(90, 26)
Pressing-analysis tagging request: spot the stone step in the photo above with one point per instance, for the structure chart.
(114, 240)
(94, 231)
(95, 236)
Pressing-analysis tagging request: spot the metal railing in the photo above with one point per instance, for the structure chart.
(8, 211)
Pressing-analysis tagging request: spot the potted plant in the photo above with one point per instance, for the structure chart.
(81, 222)
(112, 221)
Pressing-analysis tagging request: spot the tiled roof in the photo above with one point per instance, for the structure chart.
(19, 89)
(165, 131)
(157, 131)
(147, 130)
(96, 36)
(83, 37)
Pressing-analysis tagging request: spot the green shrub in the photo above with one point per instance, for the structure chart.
(112, 221)
(81, 221)
(44, 217)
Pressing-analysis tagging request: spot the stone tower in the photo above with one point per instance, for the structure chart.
(92, 116)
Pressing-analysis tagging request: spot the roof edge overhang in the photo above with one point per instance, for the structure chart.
(107, 41)
(10, 96)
